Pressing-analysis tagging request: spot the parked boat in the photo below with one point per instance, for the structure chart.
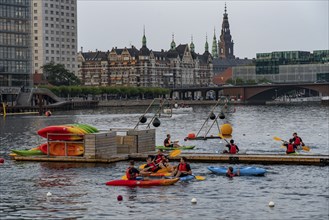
(178, 110)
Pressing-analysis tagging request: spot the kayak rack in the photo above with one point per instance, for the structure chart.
(63, 141)
(159, 113)
(212, 116)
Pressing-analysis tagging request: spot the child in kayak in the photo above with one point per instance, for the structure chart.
(183, 168)
(297, 140)
(229, 172)
(150, 166)
(131, 171)
(290, 146)
(232, 148)
(160, 159)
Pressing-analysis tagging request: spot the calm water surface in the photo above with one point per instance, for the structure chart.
(78, 190)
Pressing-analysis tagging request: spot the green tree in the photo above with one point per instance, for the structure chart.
(57, 75)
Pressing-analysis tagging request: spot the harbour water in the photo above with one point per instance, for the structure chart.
(79, 190)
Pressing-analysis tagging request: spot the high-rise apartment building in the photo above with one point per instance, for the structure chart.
(54, 33)
(15, 44)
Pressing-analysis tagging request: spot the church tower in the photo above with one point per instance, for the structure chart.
(214, 51)
(225, 45)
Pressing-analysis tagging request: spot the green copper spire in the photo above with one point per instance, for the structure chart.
(144, 38)
(214, 46)
(192, 44)
(173, 44)
(206, 46)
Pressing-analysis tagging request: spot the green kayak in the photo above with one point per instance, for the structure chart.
(28, 152)
(175, 148)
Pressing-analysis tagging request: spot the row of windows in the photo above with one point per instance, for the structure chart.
(16, 2)
(66, 1)
(9, 11)
(57, 52)
(62, 33)
(56, 19)
(14, 25)
(14, 39)
(56, 13)
(13, 53)
(52, 45)
(58, 39)
(14, 66)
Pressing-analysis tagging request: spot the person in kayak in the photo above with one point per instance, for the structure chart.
(183, 168)
(131, 171)
(150, 166)
(232, 148)
(230, 173)
(160, 159)
(290, 146)
(297, 140)
(167, 142)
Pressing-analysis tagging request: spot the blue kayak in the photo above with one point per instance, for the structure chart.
(244, 171)
(187, 178)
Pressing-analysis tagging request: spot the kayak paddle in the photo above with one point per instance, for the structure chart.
(222, 137)
(305, 148)
(175, 153)
(199, 177)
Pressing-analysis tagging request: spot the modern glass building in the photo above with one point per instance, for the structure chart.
(287, 67)
(15, 43)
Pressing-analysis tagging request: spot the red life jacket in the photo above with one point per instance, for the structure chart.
(233, 149)
(152, 166)
(290, 149)
(129, 175)
(297, 140)
(182, 167)
(230, 174)
(158, 158)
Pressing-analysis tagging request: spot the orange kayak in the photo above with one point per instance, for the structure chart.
(58, 149)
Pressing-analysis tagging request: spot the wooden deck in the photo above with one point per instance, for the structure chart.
(318, 160)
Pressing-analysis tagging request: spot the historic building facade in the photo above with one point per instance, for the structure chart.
(178, 67)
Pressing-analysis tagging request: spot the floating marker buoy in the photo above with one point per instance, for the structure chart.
(244, 134)
(319, 134)
(194, 201)
(271, 204)
(119, 197)
(185, 139)
(191, 135)
(156, 122)
(268, 134)
(49, 194)
(2, 160)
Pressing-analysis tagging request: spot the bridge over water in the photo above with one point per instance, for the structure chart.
(254, 94)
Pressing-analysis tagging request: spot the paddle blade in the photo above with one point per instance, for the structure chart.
(124, 177)
(142, 166)
(200, 178)
(175, 153)
(277, 139)
(306, 148)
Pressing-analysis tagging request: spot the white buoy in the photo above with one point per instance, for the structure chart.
(319, 134)
(271, 204)
(49, 194)
(194, 201)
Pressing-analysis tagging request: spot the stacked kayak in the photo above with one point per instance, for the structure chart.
(244, 171)
(156, 182)
(175, 148)
(27, 152)
(69, 132)
(58, 149)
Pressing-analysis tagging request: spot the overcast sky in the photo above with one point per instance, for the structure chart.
(256, 26)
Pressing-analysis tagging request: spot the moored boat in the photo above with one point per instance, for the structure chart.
(178, 110)
(244, 171)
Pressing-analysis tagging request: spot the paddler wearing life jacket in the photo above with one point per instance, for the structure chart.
(290, 146)
(151, 166)
(230, 173)
(160, 159)
(183, 168)
(297, 140)
(131, 171)
(232, 148)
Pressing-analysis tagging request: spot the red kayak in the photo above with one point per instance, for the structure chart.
(62, 132)
(158, 182)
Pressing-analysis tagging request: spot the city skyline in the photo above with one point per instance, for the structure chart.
(256, 26)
